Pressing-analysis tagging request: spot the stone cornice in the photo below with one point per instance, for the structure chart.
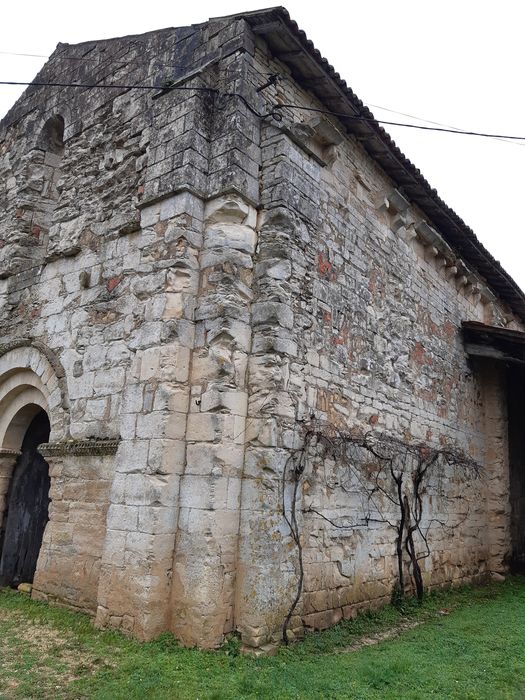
(205, 197)
(6, 452)
(78, 448)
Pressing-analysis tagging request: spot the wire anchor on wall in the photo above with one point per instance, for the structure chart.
(272, 80)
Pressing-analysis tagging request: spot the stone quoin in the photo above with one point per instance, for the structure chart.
(203, 287)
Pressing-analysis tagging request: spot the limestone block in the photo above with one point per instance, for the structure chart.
(264, 343)
(215, 459)
(263, 430)
(152, 425)
(181, 203)
(229, 209)
(275, 268)
(183, 244)
(166, 456)
(110, 381)
(145, 489)
(272, 313)
(206, 493)
(174, 363)
(148, 335)
(88, 541)
(146, 286)
(127, 426)
(266, 462)
(97, 409)
(150, 215)
(223, 523)
(234, 236)
(230, 401)
(132, 456)
(82, 386)
(228, 332)
(133, 396)
(157, 519)
(175, 426)
(177, 305)
(204, 427)
(171, 398)
(122, 517)
(149, 363)
(180, 279)
(216, 257)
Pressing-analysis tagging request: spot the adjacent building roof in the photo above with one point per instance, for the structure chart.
(494, 343)
(291, 45)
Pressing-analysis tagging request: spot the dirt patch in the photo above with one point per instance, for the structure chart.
(35, 646)
(379, 637)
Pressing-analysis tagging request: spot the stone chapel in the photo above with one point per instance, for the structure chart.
(255, 375)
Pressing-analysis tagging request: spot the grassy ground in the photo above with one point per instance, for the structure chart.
(467, 643)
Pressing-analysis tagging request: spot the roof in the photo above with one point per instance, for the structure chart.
(290, 44)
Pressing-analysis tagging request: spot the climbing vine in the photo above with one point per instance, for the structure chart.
(392, 477)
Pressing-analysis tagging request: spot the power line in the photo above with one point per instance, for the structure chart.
(62, 57)
(436, 126)
(429, 121)
(95, 86)
(30, 55)
(159, 88)
(274, 112)
(99, 60)
(371, 120)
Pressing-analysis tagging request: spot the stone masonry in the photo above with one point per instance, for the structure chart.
(192, 274)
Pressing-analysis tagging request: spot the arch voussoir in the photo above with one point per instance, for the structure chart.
(29, 377)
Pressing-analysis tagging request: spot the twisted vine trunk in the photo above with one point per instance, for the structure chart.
(411, 551)
(399, 538)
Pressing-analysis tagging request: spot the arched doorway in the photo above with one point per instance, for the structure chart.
(27, 505)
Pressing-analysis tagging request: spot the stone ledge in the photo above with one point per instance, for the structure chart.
(5, 452)
(199, 194)
(80, 447)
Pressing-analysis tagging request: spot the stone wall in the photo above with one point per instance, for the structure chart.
(357, 324)
(105, 246)
(209, 281)
(68, 569)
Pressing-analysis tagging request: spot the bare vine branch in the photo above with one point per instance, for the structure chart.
(386, 469)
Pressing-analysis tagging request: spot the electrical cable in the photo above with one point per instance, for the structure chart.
(95, 86)
(371, 120)
(434, 123)
(436, 126)
(100, 60)
(274, 112)
(30, 55)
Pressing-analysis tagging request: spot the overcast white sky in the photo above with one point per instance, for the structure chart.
(456, 62)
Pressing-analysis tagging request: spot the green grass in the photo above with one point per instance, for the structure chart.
(475, 651)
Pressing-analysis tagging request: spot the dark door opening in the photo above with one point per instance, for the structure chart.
(27, 508)
(516, 417)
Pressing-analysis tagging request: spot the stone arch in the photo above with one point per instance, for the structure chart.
(37, 175)
(48, 153)
(29, 382)
(62, 113)
(51, 135)
(40, 181)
